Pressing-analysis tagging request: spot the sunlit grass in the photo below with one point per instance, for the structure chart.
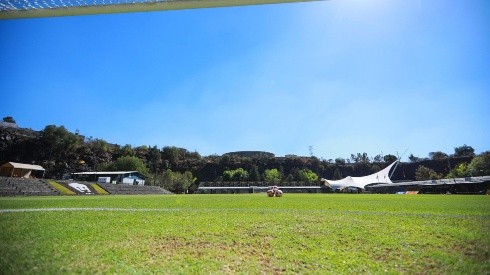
(297, 233)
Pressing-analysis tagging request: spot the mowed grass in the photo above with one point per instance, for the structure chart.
(211, 234)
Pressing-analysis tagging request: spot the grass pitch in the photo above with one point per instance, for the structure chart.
(202, 234)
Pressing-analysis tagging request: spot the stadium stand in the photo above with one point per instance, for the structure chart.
(258, 187)
(26, 187)
(468, 185)
(121, 189)
(10, 187)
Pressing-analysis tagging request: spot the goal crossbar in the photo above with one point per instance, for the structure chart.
(14, 9)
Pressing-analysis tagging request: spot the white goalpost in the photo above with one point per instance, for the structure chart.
(13, 9)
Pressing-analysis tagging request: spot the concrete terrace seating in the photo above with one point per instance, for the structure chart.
(26, 187)
(219, 187)
(8, 189)
(41, 187)
(255, 183)
(122, 189)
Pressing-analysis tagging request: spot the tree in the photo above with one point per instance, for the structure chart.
(360, 158)
(228, 175)
(438, 155)
(141, 152)
(58, 144)
(340, 161)
(413, 158)
(154, 158)
(235, 175)
(272, 175)
(127, 163)
(389, 158)
(337, 174)
(171, 154)
(425, 173)
(377, 158)
(254, 174)
(95, 152)
(59, 149)
(177, 182)
(240, 175)
(480, 165)
(459, 171)
(307, 175)
(9, 119)
(102, 149)
(464, 151)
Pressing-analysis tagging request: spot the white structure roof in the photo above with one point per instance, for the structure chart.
(382, 176)
(16, 165)
(106, 173)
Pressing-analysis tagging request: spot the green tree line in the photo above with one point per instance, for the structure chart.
(60, 152)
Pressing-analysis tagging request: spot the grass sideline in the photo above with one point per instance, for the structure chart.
(249, 233)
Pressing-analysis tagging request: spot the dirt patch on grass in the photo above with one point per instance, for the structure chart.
(475, 250)
(228, 256)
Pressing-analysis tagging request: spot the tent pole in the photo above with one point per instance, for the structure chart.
(393, 171)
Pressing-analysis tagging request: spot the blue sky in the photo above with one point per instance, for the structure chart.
(342, 76)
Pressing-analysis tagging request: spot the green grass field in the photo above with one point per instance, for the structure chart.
(202, 234)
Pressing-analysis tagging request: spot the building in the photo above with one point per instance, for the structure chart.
(468, 185)
(21, 170)
(116, 177)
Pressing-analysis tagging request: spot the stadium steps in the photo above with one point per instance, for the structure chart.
(26, 187)
(121, 189)
(41, 187)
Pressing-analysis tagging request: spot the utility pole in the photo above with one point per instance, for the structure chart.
(310, 149)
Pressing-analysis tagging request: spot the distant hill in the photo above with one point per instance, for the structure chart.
(60, 152)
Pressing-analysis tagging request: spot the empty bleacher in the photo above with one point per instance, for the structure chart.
(26, 187)
(258, 187)
(10, 187)
(122, 189)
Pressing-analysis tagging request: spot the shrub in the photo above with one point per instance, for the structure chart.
(425, 173)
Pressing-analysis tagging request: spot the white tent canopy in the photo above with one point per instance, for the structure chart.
(382, 176)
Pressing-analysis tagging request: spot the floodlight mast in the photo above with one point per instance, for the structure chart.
(73, 7)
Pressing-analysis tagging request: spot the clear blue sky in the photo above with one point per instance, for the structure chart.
(342, 76)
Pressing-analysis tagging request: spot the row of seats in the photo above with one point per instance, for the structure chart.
(121, 189)
(26, 187)
(254, 183)
(41, 187)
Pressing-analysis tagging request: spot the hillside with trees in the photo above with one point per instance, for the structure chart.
(62, 152)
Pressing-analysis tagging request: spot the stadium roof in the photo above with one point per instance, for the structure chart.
(382, 176)
(467, 180)
(16, 165)
(12, 9)
(106, 173)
